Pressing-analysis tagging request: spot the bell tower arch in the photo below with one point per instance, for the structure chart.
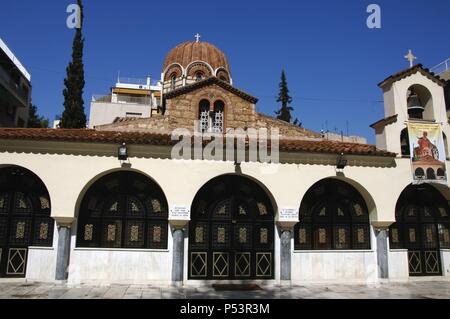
(411, 95)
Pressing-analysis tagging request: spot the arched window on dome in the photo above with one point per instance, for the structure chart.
(203, 115)
(173, 81)
(199, 76)
(219, 117)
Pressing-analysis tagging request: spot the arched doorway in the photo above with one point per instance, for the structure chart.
(333, 216)
(123, 210)
(24, 219)
(422, 227)
(231, 233)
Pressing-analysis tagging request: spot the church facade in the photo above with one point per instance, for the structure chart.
(113, 205)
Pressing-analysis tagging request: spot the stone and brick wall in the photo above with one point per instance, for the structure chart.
(183, 110)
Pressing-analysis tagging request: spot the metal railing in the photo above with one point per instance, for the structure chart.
(13, 85)
(145, 100)
(101, 98)
(132, 81)
(441, 67)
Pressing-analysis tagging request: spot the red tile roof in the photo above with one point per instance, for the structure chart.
(140, 138)
(386, 121)
(208, 82)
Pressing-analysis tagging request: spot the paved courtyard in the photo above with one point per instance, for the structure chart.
(414, 289)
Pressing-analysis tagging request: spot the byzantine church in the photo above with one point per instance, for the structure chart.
(109, 204)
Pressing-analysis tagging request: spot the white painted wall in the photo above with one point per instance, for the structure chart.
(41, 262)
(398, 264)
(445, 259)
(106, 113)
(180, 180)
(68, 176)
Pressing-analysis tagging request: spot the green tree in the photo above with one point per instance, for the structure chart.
(284, 113)
(73, 115)
(297, 123)
(34, 120)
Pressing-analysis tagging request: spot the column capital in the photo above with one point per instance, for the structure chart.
(64, 221)
(381, 225)
(286, 226)
(178, 224)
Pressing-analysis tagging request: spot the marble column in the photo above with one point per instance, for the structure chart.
(63, 251)
(178, 256)
(382, 252)
(285, 255)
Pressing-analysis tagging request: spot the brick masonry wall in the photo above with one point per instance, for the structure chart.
(182, 112)
(184, 109)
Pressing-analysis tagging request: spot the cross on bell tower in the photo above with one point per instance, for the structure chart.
(410, 57)
(197, 37)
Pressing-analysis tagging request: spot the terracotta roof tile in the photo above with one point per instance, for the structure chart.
(385, 121)
(207, 82)
(94, 136)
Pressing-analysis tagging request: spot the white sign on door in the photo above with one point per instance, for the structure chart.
(288, 214)
(180, 212)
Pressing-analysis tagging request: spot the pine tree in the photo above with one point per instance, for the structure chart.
(284, 113)
(73, 115)
(34, 120)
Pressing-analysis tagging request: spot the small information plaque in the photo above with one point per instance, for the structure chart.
(180, 212)
(288, 214)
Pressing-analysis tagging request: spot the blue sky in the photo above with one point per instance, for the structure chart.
(332, 60)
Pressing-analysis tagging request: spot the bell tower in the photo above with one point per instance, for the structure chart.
(414, 94)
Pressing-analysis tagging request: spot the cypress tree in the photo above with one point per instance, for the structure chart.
(73, 115)
(34, 120)
(284, 113)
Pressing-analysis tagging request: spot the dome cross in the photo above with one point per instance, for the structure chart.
(197, 37)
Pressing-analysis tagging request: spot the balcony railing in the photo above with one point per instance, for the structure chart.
(441, 67)
(124, 100)
(13, 85)
(135, 81)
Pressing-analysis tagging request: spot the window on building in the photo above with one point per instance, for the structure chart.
(203, 115)
(131, 114)
(218, 117)
(173, 82)
(20, 122)
(333, 216)
(123, 210)
(404, 142)
(444, 137)
(199, 76)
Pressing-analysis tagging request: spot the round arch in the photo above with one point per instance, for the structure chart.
(362, 190)
(25, 218)
(419, 94)
(422, 227)
(122, 209)
(174, 66)
(198, 62)
(334, 215)
(232, 230)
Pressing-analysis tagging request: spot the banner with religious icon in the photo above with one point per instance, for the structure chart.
(428, 159)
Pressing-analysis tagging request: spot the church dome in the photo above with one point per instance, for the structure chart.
(188, 52)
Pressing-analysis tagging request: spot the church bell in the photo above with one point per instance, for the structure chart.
(415, 107)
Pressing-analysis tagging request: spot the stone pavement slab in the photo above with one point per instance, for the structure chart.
(410, 290)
